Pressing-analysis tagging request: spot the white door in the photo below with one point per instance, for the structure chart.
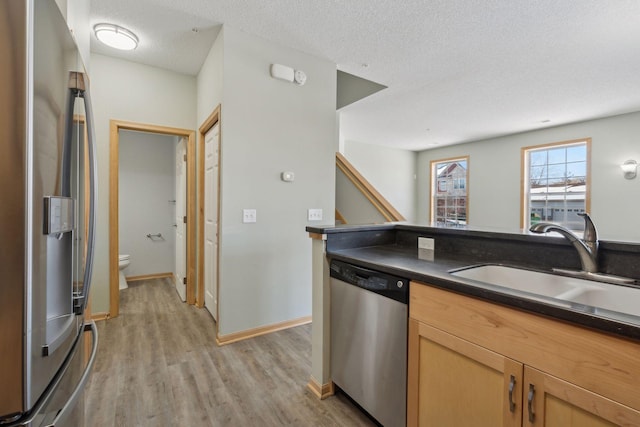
(181, 209)
(211, 164)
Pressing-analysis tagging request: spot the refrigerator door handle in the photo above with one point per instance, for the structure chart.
(79, 85)
(77, 392)
(93, 197)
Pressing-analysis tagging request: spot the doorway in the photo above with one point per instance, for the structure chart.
(209, 220)
(190, 215)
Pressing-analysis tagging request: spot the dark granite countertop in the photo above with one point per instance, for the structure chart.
(383, 252)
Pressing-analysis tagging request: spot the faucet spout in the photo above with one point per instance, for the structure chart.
(587, 248)
(590, 234)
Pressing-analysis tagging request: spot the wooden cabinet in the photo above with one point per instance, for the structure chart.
(458, 383)
(550, 401)
(472, 362)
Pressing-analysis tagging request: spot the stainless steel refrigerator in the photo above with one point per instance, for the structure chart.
(47, 218)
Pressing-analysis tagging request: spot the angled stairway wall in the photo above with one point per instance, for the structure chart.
(357, 201)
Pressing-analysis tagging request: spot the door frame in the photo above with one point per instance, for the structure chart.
(206, 126)
(115, 126)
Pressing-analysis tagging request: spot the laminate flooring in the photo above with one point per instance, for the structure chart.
(158, 365)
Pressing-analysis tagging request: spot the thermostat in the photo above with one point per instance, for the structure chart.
(287, 176)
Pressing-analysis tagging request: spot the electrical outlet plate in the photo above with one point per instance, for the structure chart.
(249, 216)
(314, 214)
(426, 243)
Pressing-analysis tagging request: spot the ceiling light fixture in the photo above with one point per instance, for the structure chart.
(116, 36)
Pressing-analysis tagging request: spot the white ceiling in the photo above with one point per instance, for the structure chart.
(457, 70)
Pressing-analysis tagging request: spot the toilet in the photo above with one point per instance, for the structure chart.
(123, 262)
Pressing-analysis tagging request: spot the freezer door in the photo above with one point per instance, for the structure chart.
(63, 389)
(62, 405)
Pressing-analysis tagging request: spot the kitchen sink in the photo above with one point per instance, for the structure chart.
(518, 279)
(586, 295)
(610, 297)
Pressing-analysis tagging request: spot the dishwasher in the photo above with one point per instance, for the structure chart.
(369, 319)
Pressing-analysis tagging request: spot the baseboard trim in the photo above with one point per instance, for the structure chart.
(149, 277)
(100, 316)
(321, 391)
(263, 330)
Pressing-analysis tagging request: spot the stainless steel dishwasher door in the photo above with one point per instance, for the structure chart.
(369, 350)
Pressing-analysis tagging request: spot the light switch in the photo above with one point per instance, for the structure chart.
(249, 216)
(314, 214)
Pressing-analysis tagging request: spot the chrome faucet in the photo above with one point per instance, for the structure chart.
(587, 247)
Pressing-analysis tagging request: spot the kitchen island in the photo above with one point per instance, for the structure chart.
(393, 249)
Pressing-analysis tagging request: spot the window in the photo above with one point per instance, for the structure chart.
(556, 184)
(449, 192)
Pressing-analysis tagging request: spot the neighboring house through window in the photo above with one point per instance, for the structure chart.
(556, 183)
(449, 198)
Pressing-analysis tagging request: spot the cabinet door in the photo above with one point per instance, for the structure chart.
(453, 382)
(552, 402)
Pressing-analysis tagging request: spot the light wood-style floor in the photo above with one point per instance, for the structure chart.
(158, 365)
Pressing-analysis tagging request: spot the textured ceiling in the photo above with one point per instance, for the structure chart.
(456, 70)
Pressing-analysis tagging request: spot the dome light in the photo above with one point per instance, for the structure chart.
(116, 36)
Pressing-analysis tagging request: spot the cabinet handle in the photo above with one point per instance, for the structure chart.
(532, 391)
(512, 385)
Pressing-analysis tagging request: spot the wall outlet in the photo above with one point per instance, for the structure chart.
(314, 214)
(426, 243)
(248, 215)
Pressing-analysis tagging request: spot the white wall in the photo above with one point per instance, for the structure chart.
(354, 207)
(390, 170)
(494, 175)
(133, 92)
(146, 187)
(269, 126)
(62, 5)
(210, 80)
(76, 13)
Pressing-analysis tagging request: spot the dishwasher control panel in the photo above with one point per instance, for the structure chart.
(382, 283)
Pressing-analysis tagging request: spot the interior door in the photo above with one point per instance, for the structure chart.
(211, 164)
(181, 242)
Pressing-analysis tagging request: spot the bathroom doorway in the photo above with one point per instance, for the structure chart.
(187, 217)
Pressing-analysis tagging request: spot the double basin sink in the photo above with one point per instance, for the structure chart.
(585, 295)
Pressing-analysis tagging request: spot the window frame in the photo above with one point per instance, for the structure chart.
(524, 176)
(434, 182)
